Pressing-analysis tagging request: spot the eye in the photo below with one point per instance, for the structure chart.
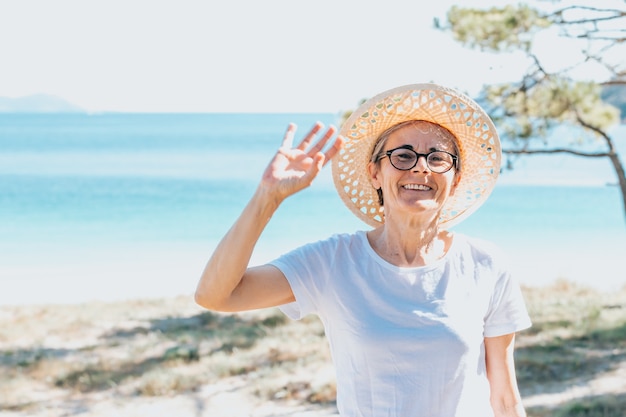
(403, 155)
(438, 157)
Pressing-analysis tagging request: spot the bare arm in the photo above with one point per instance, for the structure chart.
(227, 284)
(505, 396)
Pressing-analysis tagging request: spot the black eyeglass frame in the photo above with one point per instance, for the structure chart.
(418, 156)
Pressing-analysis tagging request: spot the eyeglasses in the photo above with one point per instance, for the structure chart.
(404, 159)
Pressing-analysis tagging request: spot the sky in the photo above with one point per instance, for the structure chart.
(233, 55)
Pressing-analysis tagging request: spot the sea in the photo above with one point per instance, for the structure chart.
(104, 207)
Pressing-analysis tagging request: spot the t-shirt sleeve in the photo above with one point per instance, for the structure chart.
(507, 311)
(304, 303)
(306, 268)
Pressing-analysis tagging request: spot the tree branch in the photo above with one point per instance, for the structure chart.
(558, 15)
(598, 131)
(555, 150)
(614, 82)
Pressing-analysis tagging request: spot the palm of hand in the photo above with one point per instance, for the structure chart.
(295, 168)
(290, 171)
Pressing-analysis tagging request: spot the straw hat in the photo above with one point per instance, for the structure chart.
(478, 143)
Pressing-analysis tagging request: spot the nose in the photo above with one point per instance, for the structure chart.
(421, 165)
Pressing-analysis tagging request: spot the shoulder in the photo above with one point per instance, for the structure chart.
(479, 247)
(330, 247)
(345, 238)
(480, 251)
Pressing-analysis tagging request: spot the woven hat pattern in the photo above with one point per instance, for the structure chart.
(478, 142)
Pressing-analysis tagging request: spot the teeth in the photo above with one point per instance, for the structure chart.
(417, 187)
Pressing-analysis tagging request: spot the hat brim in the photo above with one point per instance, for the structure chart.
(478, 143)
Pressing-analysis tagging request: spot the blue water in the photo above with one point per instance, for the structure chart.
(129, 205)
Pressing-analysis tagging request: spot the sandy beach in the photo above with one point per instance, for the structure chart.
(167, 356)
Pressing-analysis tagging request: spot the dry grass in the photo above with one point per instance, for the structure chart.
(152, 348)
(70, 360)
(574, 356)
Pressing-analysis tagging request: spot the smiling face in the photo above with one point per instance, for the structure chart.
(418, 190)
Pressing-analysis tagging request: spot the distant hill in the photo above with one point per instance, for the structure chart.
(37, 103)
(615, 94)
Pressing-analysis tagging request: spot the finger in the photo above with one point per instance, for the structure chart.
(330, 132)
(333, 150)
(289, 134)
(309, 136)
(316, 167)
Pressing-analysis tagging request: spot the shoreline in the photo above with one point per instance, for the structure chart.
(39, 293)
(139, 272)
(150, 276)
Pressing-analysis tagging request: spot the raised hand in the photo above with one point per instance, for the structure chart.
(294, 168)
(227, 284)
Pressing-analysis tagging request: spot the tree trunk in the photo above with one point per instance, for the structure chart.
(621, 177)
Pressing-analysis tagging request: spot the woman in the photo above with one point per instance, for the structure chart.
(420, 320)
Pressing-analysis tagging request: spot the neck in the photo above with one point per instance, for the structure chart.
(410, 245)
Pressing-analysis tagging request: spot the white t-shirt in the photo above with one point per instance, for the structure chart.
(406, 341)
